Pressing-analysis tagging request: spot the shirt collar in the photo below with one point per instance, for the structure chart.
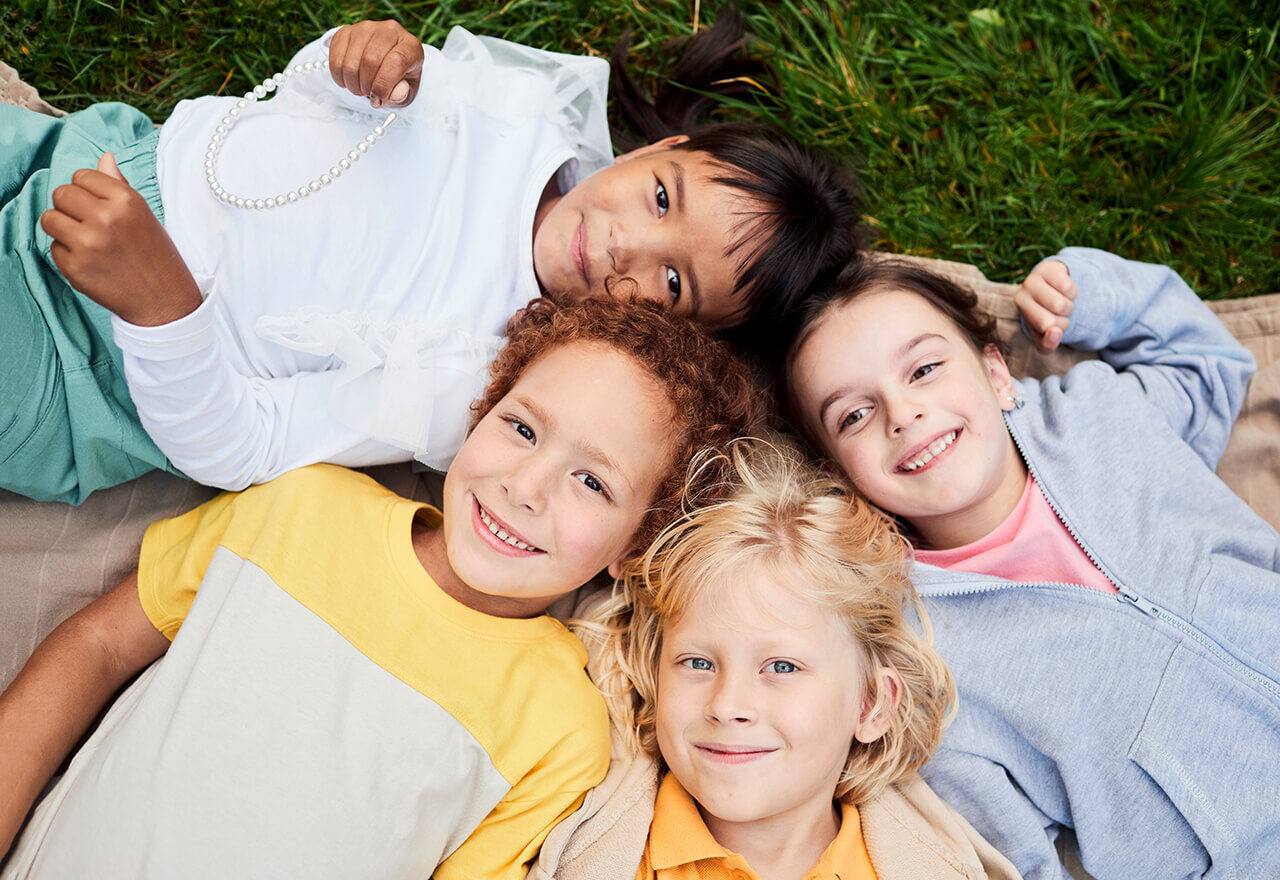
(678, 835)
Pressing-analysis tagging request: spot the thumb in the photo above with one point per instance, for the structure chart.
(107, 165)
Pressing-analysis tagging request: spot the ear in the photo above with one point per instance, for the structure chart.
(615, 568)
(877, 716)
(999, 376)
(649, 149)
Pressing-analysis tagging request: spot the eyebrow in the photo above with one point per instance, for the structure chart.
(902, 352)
(587, 448)
(695, 295)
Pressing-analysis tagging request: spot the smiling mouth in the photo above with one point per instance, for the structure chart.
(921, 458)
(731, 754)
(501, 533)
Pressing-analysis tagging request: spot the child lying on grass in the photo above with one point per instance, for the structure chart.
(779, 684)
(372, 265)
(359, 685)
(1110, 609)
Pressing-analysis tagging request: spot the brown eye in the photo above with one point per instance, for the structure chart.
(924, 371)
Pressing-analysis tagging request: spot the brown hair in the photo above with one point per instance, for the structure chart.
(779, 512)
(708, 386)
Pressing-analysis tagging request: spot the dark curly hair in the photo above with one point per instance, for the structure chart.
(712, 396)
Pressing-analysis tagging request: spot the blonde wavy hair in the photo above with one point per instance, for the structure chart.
(771, 508)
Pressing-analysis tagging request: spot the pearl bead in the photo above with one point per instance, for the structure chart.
(325, 179)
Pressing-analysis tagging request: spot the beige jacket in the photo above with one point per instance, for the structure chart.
(910, 833)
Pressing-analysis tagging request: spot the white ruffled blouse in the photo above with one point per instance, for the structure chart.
(356, 326)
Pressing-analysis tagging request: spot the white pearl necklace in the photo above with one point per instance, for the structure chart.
(270, 84)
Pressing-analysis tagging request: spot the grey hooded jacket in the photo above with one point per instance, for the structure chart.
(1148, 721)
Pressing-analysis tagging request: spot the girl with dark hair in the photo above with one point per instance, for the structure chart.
(329, 284)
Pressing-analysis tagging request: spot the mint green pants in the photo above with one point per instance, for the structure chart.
(67, 425)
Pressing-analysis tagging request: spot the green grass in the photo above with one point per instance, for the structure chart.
(990, 135)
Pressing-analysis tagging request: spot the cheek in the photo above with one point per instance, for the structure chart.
(591, 539)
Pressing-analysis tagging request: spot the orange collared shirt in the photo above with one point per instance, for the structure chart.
(681, 848)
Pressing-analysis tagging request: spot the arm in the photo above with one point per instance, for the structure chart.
(228, 430)
(985, 794)
(1166, 344)
(62, 689)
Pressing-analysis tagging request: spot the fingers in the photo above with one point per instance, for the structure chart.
(107, 165)
(377, 59)
(1045, 300)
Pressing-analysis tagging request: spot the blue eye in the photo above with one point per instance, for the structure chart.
(924, 371)
(591, 483)
(664, 204)
(673, 284)
(782, 667)
(702, 664)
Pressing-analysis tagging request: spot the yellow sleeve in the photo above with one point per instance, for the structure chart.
(504, 845)
(175, 554)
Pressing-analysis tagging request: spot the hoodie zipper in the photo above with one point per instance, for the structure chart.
(1146, 606)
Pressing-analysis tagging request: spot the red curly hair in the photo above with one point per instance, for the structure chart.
(708, 386)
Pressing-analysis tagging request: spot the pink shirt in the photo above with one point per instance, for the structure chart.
(1031, 546)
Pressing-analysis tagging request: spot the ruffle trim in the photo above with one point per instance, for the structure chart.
(409, 385)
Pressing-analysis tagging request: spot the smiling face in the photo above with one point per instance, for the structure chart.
(653, 224)
(760, 697)
(551, 485)
(901, 400)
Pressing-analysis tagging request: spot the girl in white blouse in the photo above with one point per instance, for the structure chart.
(329, 285)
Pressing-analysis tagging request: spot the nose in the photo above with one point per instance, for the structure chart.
(901, 410)
(632, 243)
(729, 700)
(526, 482)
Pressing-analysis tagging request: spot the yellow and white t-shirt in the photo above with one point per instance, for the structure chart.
(325, 709)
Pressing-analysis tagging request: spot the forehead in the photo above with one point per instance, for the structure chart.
(597, 396)
(866, 334)
(755, 605)
(718, 218)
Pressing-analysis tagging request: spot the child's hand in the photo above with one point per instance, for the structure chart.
(1045, 300)
(377, 59)
(111, 248)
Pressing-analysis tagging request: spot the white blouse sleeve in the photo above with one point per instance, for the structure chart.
(227, 430)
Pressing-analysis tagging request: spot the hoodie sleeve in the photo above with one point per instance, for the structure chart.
(1163, 341)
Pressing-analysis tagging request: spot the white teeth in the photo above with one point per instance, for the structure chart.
(933, 451)
(501, 534)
